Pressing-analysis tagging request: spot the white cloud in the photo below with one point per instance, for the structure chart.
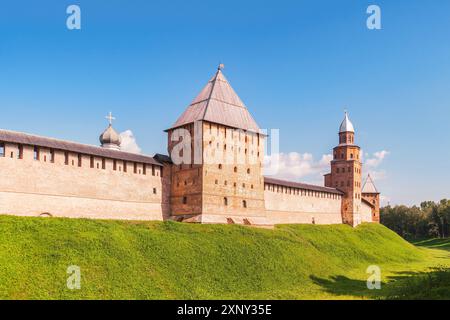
(295, 166)
(372, 162)
(129, 143)
(377, 174)
(376, 159)
(302, 166)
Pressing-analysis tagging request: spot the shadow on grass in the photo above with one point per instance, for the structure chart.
(434, 284)
(344, 286)
(443, 244)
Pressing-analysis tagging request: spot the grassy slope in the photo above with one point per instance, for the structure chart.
(153, 260)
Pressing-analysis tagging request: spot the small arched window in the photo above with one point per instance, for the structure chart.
(244, 203)
(184, 200)
(225, 201)
(235, 169)
(248, 171)
(220, 166)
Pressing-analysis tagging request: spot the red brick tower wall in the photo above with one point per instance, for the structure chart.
(346, 176)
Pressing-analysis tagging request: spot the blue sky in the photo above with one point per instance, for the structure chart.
(296, 65)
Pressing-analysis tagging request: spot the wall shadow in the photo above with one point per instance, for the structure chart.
(443, 244)
(433, 284)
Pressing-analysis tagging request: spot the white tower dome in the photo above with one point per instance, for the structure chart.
(346, 125)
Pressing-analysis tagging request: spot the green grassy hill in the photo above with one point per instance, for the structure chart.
(155, 260)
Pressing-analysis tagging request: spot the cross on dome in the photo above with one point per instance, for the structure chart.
(110, 139)
(110, 118)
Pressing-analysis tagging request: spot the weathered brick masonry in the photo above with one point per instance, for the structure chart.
(218, 180)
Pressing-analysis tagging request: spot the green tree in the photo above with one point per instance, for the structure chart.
(430, 219)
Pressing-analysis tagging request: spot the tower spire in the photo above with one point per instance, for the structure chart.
(346, 124)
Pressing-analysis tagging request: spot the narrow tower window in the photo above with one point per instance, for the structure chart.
(35, 153)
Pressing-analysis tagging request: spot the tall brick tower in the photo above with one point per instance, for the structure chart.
(371, 195)
(224, 182)
(346, 173)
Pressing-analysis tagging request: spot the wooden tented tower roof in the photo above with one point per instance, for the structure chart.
(218, 103)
